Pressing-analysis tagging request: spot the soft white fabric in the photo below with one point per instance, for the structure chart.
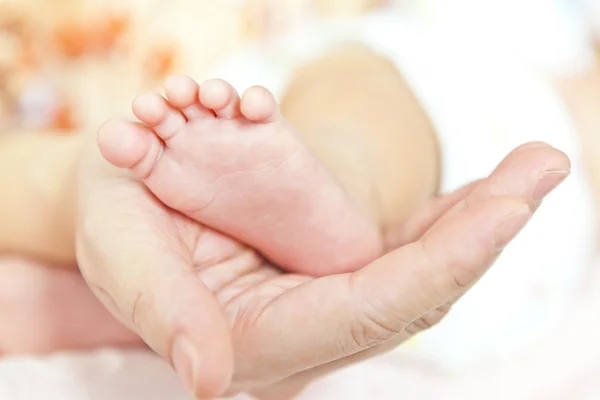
(554, 35)
(591, 8)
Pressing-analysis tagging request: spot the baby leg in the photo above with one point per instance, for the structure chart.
(358, 115)
(236, 165)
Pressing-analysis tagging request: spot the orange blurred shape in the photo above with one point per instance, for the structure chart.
(72, 39)
(113, 28)
(161, 63)
(63, 119)
(78, 39)
(118, 25)
(28, 57)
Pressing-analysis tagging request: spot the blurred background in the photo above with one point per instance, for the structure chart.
(67, 65)
(58, 58)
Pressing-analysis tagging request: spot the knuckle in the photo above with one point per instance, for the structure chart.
(109, 302)
(373, 326)
(455, 273)
(140, 309)
(428, 321)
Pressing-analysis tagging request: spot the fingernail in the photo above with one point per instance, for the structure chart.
(548, 182)
(184, 358)
(510, 226)
(533, 145)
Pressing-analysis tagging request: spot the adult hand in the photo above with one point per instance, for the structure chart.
(228, 321)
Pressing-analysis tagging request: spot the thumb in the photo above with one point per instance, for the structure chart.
(153, 289)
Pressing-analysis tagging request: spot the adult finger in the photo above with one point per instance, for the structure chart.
(418, 223)
(530, 172)
(536, 161)
(342, 315)
(133, 256)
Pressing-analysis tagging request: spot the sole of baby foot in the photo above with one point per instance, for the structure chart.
(235, 164)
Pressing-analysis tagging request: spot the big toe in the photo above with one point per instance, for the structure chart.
(129, 145)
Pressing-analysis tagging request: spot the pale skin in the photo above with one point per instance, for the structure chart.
(152, 266)
(193, 149)
(37, 212)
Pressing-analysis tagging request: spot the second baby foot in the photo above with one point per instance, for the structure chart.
(236, 165)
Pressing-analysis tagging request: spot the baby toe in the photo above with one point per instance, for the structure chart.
(153, 110)
(182, 92)
(219, 96)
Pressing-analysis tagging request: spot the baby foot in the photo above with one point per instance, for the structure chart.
(237, 166)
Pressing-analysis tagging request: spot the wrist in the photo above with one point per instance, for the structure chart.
(38, 173)
(65, 195)
(57, 194)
